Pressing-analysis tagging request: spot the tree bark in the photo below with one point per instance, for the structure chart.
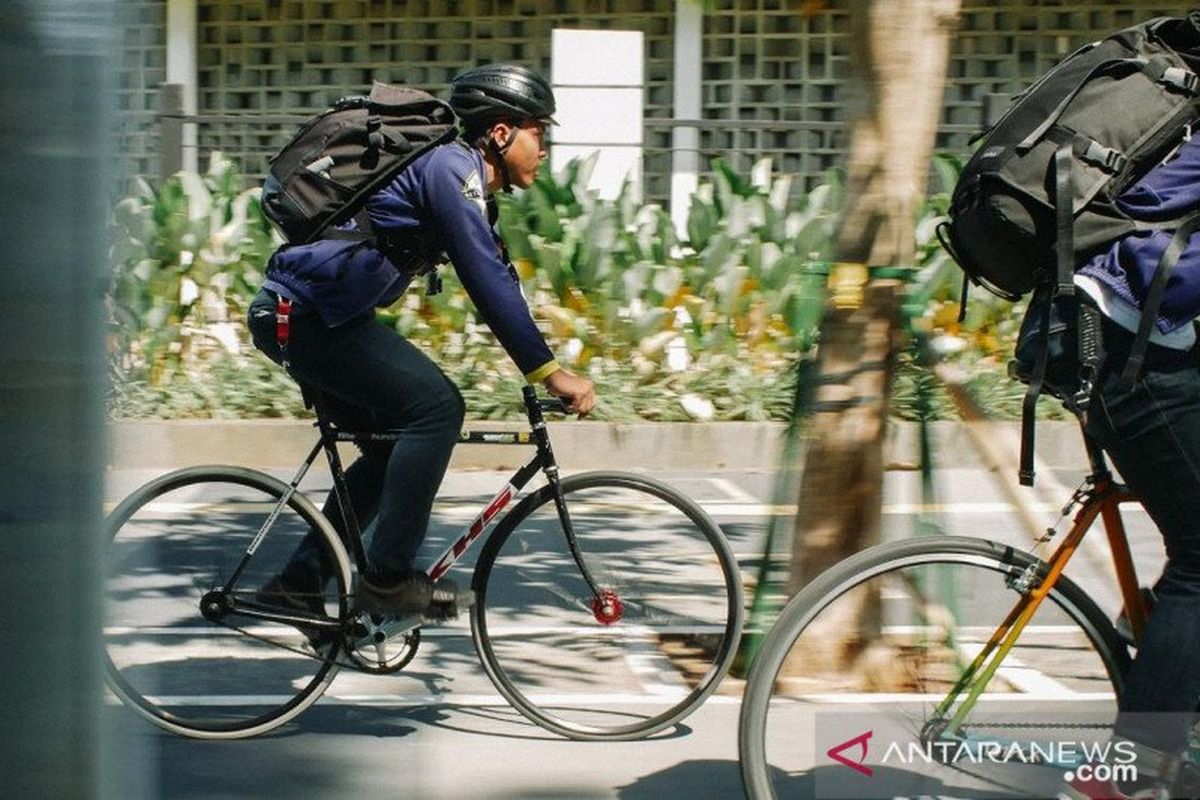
(900, 49)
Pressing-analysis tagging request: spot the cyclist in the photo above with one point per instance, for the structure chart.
(364, 375)
(1151, 432)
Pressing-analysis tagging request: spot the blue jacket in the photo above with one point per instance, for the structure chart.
(439, 205)
(1164, 195)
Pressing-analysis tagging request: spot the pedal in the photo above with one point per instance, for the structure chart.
(446, 604)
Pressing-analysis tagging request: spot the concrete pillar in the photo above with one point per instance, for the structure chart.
(55, 156)
(182, 69)
(599, 83)
(685, 158)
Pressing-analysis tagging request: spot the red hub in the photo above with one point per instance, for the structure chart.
(607, 607)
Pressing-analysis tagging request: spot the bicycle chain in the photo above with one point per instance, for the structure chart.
(341, 646)
(1039, 725)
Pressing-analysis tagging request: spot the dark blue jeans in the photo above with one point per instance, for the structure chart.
(365, 376)
(1152, 434)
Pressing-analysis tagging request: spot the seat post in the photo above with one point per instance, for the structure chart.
(1095, 454)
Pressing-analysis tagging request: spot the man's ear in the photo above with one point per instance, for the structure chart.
(500, 133)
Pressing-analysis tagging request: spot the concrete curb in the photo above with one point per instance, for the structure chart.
(267, 444)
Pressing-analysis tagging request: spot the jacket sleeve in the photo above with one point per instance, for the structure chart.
(453, 194)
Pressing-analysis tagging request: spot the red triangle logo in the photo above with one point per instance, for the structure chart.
(835, 753)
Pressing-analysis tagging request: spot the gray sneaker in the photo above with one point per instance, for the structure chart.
(412, 592)
(395, 594)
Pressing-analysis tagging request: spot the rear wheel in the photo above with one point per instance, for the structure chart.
(177, 649)
(643, 652)
(874, 647)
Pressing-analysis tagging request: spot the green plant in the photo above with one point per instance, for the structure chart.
(703, 324)
(186, 257)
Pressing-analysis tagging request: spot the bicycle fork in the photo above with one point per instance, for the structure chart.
(1101, 501)
(606, 605)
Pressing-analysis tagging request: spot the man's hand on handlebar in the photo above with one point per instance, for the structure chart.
(576, 391)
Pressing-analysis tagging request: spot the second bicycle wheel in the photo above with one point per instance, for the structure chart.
(174, 545)
(640, 655)
(843, 698)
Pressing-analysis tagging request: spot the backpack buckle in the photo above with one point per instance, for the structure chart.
(1181, 78)
(1107, 158)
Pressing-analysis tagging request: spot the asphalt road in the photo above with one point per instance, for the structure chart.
(439, 730)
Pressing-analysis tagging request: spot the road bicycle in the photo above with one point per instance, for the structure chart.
(607, 605)
(956, 645)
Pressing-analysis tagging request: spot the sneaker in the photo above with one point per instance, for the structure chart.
(395, 594)
(278, 593)
(411, 592)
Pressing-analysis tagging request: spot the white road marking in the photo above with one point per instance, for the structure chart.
(626, 631)
(423, 699)
(734, 491)
(1025, 679)
(899, 697)
(733, 508)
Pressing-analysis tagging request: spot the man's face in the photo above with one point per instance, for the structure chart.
(526, 153)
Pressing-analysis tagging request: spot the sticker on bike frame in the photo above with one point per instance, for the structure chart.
(473, 531)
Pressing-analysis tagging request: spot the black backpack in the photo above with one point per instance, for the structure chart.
(344, 155)
(1037, 199)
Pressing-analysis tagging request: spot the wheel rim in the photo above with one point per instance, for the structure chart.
(798, 708)
(633, 658)
(221, 676)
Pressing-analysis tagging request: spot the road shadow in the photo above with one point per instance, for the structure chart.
(700, 778)
(722, 778)
(834, 782)
(508, 722)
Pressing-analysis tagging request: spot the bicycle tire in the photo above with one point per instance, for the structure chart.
(838, 582)
(162, 657)
(542, 643)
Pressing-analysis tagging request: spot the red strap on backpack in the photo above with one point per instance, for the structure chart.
(283, 329)
(283, 311)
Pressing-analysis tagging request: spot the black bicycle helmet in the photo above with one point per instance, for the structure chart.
(482, 96)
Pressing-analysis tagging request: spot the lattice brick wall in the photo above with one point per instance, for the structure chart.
(141, 68)
(765, 63)
(296, 56)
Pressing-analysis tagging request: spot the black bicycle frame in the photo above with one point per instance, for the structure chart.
(351, 534)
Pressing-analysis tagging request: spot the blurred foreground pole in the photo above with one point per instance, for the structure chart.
(899, 49)
(54, 164)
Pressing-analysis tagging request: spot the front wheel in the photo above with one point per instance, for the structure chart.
(849, 692)
(636, 654)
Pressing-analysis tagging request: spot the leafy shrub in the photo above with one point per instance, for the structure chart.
(703, 325)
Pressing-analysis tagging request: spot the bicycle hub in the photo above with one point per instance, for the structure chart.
(607, 607)
(214, 605)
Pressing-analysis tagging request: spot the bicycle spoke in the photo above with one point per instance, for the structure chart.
(201, 671)
(632, 659)
(885, 643)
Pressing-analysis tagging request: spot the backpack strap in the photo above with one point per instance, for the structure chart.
(1173, 77)
(1110, 65)
(1089, 354)
(1064, 219)
(1154, 298)
(1036, 380)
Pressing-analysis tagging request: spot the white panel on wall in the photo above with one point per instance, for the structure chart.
(598, 79)
(602, 115)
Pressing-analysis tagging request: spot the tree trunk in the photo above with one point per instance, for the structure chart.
(900, 48)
